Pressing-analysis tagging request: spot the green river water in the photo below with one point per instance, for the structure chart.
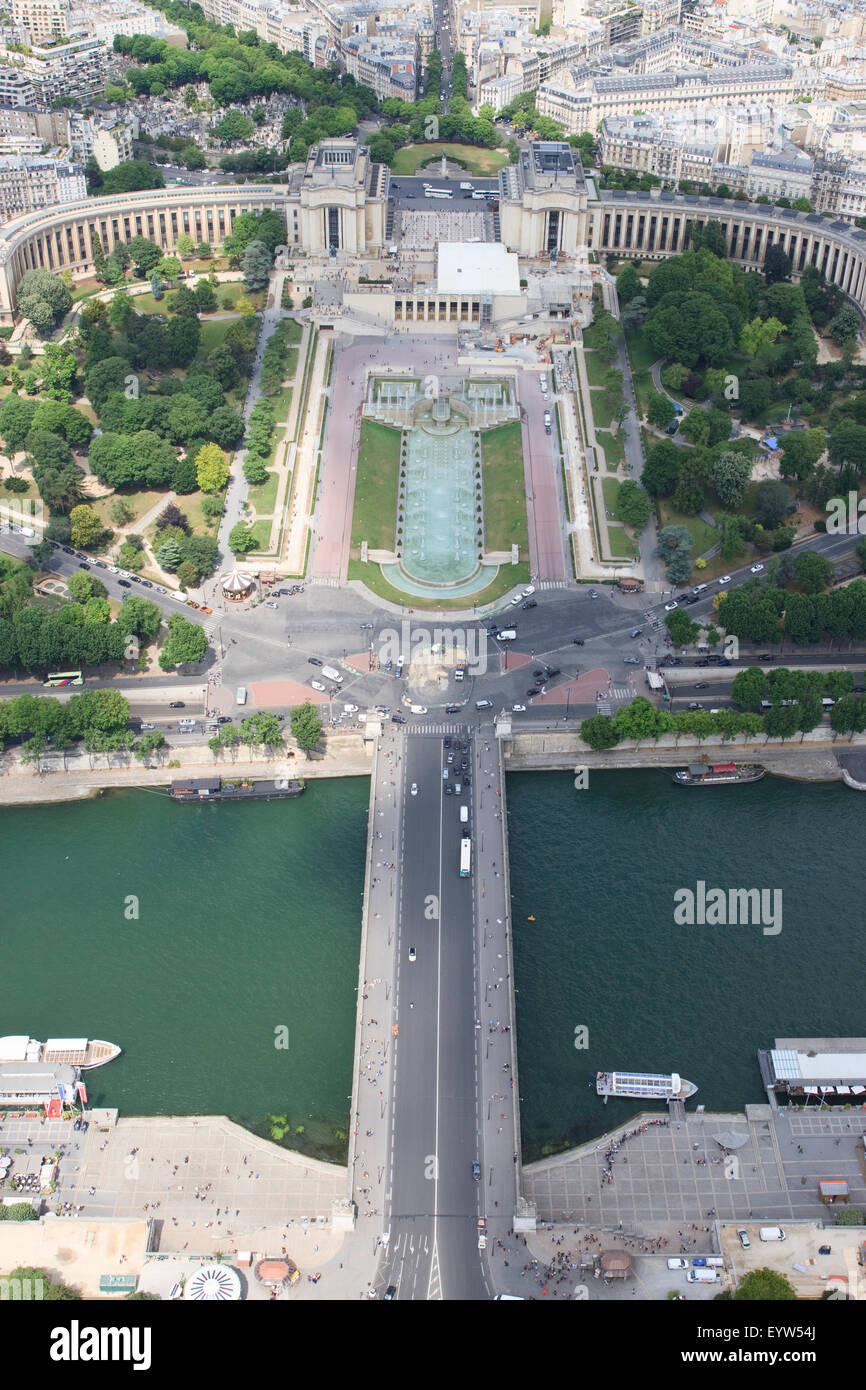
(249, 922)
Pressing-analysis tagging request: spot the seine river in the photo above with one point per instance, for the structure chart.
(205, 939)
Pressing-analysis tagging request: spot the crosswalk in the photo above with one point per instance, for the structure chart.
(424, 728)
(553, 584)
(621, 692)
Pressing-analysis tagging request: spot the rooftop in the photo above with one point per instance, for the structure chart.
(465, 267)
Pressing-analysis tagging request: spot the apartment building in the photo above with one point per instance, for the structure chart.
(28, 184)
(42, 19)
(28, 132)
(390, 67)
(76, 69)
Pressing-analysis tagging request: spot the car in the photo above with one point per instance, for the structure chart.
(518, 709)
(702, 685)
(766, 657)
(398, 719)
(445, 774)
(83, 565)
(227, 719)
(446, 743)
(317, 685)
(392, 1288)
(593, 593)
(350, 709)
(553, 671)
(636, 632)
(146, 725)
(464, 763)
(725, 661)
(528, 591)
(533, 691)
(314, 661)
(515, 600)
(699, 1262)
(699, 588)
(389, 665)
(449, 790)
(213, 728)
(124, 583)
(452, 709)
(412, 954)
(267, 605)
(418, 709)
(539, 674)
(67, 550)
(176, 704)
(450, 758)
(674, 660)
(530, 603)
(755, 569)
(676, 1263)
(366, 627)
(136, 579)
(743, 1238)
(476, 1170)
(631, 660)
(724, 579)
(191, 603)
(146, 583)
(693, 598)
(100, 564)
(694, 704)
(77, 1126)
(203, 609)
(705, 662)
(669, 607)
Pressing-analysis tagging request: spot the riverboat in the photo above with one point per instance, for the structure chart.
(71, 1052)
(715, 774)
(640, 1085)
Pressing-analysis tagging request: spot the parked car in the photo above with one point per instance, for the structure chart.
(518, 709)
(755, 569)
(226, 719)
(694, 704)
(145, 724)
(743, 1237)
(314, 661)
(124, 583)
(317, 685)
(725, 579)
(669, 607)
(176, 704)
(532, 692)
(530, 603)
(398, 719)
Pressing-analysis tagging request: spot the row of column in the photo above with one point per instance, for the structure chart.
(666, 232)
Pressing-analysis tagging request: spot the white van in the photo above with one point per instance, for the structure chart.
(715, 1262)
(484, 704)
(241, 697)
(509, 635)
(702, 1276)
(464, 815)
(186, 726)
(331, 675)
(771, 1233)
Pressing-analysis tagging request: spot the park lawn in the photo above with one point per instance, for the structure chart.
(703, 535)
(292, 330)
(602, 411)
(138, 503)
(621, 544)
(595, 368)
(374, 518)
(12, 497)
(190, 503)
(506, 579)
(504, 483)
(613, 447)
(609, 488)
(276, 440)
(264, 496)
(482, 163)
(213, 332)
(590, 338)
(233, 290)
(261, 531)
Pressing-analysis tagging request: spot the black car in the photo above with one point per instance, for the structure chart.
(398, 719)
(553, 671)
(530, 603)
(83, 565)
(714, 660)
(577, 641)
(725, 661)
(534, 690)
(227, 719)
(704, 662)
(136, 579)
(766, 657)
(446, 743)
(476, 1170)
(146, 584)
(124, 583)
(67, 550)
(314, 661)
(449, 790)
(392, 1288)
(492, 631)
(100, 564)
(683, 598)
(176, 704)
(452, 709)
(673, 661)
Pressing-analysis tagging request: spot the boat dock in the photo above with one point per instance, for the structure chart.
(820, 1069)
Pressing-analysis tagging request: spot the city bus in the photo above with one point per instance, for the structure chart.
(438, 193)
(465, 857)
(64, 678)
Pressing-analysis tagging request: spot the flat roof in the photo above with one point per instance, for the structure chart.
(790, 1065)
(467, 267)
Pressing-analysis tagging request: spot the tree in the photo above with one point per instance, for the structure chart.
(749, 687)
(662, 468)
(765, 1286)
(628, 284)
(185, 246)
(675, 548)
(39, 292)
(263, 729)
(845, 326)
(139, 616)
(696, 427)
(242, 540)
(306, 726)
(233, 126)
(759, 333)
(814, 571)
(145, 254)
(689, 495)
(16, 420)
(632, 504)
(53, 1290)
(256, 265)
(188, 575)
(132, 176)
(660, 410)
(147, 745)
(83, 586)
(226, 427)
(777, 264)
(205, 297)
(731, 474)
(771, 503)
(801, 450)
(87, 528)
(598, 732)
(169, 268)
(120, 511)
(168, 555)
(185, 645)
(680, 627)
(212, 468)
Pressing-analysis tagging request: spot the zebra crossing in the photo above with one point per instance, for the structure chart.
(621, 692)
(425, 728)
(323, 582)
(553, 584)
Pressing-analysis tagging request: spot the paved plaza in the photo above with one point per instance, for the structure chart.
(672, 1177)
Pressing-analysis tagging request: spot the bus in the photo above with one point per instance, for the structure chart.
(465, 857)
(438, 193)
(64, 678)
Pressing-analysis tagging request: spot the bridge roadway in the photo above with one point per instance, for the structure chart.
(447, 1061)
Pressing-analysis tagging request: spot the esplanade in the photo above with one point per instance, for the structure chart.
(336, 206)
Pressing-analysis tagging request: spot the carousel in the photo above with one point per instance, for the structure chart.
(237, 586)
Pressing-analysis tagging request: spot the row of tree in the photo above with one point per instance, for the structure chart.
(643, 721)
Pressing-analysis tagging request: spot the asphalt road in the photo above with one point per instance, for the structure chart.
(434, 1207)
